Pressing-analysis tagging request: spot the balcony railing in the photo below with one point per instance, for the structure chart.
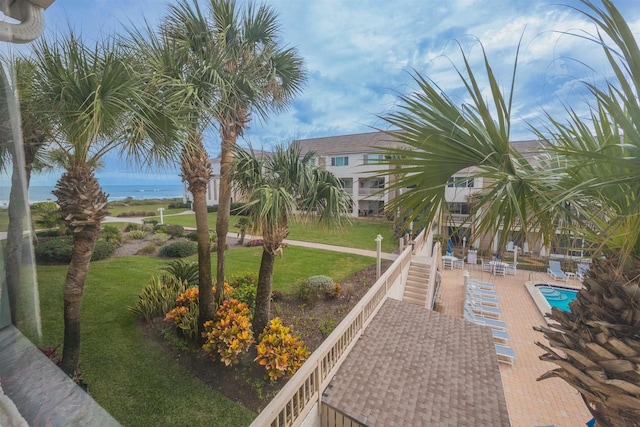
(299, 395)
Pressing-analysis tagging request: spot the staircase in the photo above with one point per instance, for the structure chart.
(415, 289)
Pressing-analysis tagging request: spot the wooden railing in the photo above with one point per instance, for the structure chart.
(300, 394)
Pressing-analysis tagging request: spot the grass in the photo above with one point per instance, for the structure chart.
(360, 233)
(131, 376)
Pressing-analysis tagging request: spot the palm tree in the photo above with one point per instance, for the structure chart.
(259, 76)
(93, 100)
(279, 186)
(36, 132)
(588, 186)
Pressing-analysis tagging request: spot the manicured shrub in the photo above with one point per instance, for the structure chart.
(174, 230)
(279, 351)
(147, 228)
(212, 209)
(136, 234)
(159, 239)
(127, 214)
(131, 226)
(184, 271)
(111, 233)
(103, 250)
(179, 205)
(57, 250)
(229, 334)
(158, 297)
(148, 249)
(192, 235)
(151, 221)
(160, 228)
(179, 249)
(316, 287)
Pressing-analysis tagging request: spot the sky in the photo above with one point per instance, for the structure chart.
(360, 56)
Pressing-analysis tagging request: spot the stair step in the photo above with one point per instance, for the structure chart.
(421, 303)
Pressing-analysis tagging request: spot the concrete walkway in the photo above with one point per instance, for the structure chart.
(363, 252)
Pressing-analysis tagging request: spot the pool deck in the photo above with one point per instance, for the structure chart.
(530, 402)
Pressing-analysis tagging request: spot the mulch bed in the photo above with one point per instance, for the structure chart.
(246, 383)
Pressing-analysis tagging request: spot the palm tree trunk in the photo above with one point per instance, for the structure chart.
(224, 203)
(196, 170)
(205, 294)
(83, 244)
(262, 313)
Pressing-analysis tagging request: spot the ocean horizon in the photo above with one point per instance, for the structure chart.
(43, 193)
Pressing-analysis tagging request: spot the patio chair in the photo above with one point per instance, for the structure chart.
(500, 268)
(458, 263)
(556, 271)
(505, 354)
(472, 317)
(484, 310)
(511, 269)
(487, 266)
(582, 270)
(447, 262)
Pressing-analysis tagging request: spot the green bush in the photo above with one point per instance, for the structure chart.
(174, 230)
(212, 209)
(179, 249)
(160, 239)
(111, 233)
(149, 249)
(238, 209)
(315, 287)
(151, 221)
(184, 271)
(160, 228)
(158, 297)
(131, 226)
(147, 228)
(136, 234)
(192, 235)
(126, 214)
(179, 205)
(57, 250)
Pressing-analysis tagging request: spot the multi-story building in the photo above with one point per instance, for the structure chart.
(356, 161)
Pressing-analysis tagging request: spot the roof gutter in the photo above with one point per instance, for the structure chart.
(30, 17)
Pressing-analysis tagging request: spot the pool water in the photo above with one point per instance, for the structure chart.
(558, 297)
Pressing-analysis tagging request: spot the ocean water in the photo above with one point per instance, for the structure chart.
(115, 192)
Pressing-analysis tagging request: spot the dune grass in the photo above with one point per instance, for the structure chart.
(131, 376)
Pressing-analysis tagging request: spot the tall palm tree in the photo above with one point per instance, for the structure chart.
(36, 133)
(279, 186)
(94, 102)
(589, 185)
(183, 60)
(259, 75)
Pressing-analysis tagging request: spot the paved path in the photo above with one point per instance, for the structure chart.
(363, 252)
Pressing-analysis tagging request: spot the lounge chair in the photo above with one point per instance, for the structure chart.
(497, 325)
(511, 269)
(481, 285)
(482, 299)
(499, 337)
(556, 271)
(505, 354)
(582, 270)
(482, 292)
(484, 310)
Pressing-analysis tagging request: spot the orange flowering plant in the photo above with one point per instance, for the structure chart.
(229, 334)
(279, 351)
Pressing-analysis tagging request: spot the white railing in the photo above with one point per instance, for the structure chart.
(300, 394)
(436, 264)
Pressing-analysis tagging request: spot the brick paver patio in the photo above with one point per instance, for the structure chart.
(530, 402)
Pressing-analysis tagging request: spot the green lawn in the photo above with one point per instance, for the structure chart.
(131, 376)
(360, 233)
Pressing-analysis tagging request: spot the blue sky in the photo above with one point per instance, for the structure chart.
(360, 56)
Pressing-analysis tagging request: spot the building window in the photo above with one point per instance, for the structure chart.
(372, 159)
(460, 182)
(340, 161)
(459, 208)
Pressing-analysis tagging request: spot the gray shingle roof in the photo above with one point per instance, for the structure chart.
(414, 367)
(348, 144)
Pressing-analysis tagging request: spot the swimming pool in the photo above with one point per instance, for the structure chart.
(557, 296)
